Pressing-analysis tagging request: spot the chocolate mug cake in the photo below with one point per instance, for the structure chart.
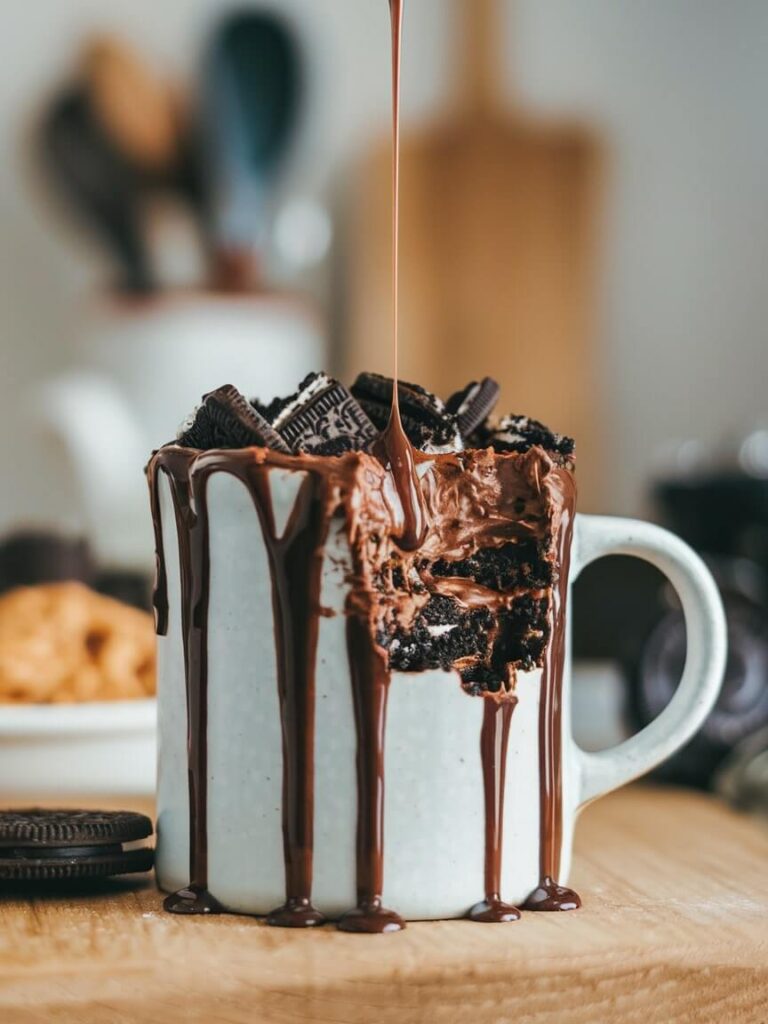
(478, 596)
(362, 621)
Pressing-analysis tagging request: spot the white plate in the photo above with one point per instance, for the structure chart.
(108, 747)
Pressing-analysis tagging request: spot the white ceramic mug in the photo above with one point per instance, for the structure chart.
(434, 804)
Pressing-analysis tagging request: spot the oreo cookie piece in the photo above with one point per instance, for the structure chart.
(323, 418)
(521, 433)
(428, 425)
(473, 404)
(226, 419)
(50, 845)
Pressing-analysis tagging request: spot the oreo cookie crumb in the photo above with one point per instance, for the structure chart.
(441, 634)
(520, 434)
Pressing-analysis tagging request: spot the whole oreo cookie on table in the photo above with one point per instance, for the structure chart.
(39, 845)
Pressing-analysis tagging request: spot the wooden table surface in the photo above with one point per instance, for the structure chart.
(674, 928)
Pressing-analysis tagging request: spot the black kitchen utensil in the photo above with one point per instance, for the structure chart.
(249, 106)
(98, 184)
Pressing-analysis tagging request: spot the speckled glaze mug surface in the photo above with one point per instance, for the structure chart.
(434, 812)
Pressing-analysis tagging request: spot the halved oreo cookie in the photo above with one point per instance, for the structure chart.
(473, 404)
(426, 421)
(226, 419)
(40, 845)
(323, 418)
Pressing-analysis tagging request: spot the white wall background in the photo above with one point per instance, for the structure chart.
(677, 86)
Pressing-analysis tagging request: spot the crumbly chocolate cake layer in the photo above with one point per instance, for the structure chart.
(476, 596)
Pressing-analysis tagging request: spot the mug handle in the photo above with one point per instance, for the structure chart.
(597, 536)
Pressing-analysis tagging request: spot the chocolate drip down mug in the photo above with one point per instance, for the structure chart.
(434, 810)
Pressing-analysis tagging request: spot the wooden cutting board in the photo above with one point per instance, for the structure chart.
(672, 931)
(497, 253)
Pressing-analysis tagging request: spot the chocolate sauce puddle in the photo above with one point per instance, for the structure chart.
(494, 741)
(549, 895)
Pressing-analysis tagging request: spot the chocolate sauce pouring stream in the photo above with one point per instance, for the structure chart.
(397, 448)
(368, 667)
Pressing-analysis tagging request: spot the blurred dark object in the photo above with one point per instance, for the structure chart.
(146, 122)
(250, 101)
(136, 109)
(99, 184)
(111, 143)
(132, 588)
(743, 778)
(29, 558)
(722, 513)
(624, 612)
(616, 603)
(742, 707)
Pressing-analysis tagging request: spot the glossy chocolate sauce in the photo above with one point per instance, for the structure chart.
(188, 493)
(160, 590)
(549, 895)
(494, 741)
(370, 689)
(295, 562)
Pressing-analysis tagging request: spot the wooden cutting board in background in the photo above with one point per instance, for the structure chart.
(498, 214)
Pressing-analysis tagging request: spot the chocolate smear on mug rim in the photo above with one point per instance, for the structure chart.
(473, 501)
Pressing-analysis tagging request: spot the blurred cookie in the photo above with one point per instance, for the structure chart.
(63, 642)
